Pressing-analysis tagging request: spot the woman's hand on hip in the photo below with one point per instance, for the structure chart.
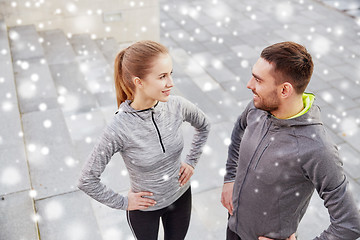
(186, 171)
(139, 201)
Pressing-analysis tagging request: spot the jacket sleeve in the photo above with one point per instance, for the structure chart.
(234, 147)
(327, 175)
(200, 122)
(90, 183)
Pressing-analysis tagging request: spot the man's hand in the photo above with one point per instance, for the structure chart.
(226, 196)
(137, 201)
(185, 173)
(292, 237)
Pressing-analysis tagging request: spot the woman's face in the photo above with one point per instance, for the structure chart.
(156, 86)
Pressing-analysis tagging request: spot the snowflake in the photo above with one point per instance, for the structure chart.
(194, 184)
(54, 210)
(10, 176)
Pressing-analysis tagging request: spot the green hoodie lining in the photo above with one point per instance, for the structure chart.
(308, 99)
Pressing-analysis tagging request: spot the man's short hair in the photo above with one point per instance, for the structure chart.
(292, 61)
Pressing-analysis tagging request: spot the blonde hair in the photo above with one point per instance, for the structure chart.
(134, 61)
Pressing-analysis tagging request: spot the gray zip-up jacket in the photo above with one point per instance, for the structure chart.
(150, 142)
(276, 164)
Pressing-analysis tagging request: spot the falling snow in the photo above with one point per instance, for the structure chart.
(329, 44)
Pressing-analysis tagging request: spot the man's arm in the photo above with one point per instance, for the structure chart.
(232, 160)
(327, 175)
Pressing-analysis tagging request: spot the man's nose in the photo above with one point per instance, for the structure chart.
(250, 85)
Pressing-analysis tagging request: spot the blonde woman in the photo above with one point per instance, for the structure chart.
(146, 131)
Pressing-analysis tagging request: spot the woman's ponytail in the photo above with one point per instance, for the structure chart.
(122, 91)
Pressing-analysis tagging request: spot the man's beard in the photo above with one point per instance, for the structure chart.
(271, 104)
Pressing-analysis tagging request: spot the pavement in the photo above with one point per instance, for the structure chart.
(57, 95)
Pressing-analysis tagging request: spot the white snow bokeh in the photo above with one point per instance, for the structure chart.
(69, 102)
(284, 11)
(27, 89)
(327, 97)
(195, 184)
(7, 106)
(320, 45)
(76, 231)
(219, 10)
(113, 233)
(54, 210)
(10, 176)
(349, 126)
(71, 7)
(70, 161)
(32, 193)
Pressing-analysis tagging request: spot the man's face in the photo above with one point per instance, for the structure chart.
(263, 85)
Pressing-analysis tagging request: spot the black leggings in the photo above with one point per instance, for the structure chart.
(230, 235)
(175, 219)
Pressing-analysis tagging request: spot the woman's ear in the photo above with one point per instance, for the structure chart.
(138, 82)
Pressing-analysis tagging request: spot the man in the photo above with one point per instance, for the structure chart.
(280, 152)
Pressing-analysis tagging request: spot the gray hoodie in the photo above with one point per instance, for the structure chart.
(150, 143)
(276, 165)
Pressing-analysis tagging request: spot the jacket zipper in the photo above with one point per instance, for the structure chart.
(157, 129)
(258, 160)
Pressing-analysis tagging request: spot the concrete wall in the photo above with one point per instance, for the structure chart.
(125, 20)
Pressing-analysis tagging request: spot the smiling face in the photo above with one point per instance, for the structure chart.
(263, 85)
(156, 85)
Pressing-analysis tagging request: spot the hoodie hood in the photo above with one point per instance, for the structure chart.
(310, 115)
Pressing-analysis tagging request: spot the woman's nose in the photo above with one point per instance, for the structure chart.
(170, 82)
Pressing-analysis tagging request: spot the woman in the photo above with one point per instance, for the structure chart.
(146, 132)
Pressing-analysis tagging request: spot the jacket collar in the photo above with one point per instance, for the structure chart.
(143, 114)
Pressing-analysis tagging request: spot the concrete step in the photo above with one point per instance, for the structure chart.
(49, 148)
(18, 217)
(97, 70)
(15, 202)
(68, 216)
(10, 117)
(57, 48)
(14, 173)
(35, 87)
(109, 48)
(73, 94)
(53, 164)
(25, 43)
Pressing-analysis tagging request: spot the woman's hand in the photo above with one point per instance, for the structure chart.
(186, 171)
(138, 201)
